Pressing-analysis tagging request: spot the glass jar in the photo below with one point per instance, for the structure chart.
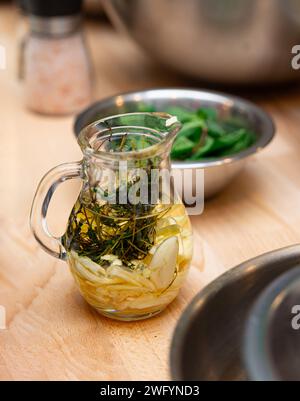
(128, 241)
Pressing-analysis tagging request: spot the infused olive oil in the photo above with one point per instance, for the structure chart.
(131, 266)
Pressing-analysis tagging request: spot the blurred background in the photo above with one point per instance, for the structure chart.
(212, 42)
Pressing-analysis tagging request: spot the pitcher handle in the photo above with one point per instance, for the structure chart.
(41, 201)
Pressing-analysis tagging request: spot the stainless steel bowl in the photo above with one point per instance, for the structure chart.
(241, 41)
(218, 172)
(272, 336)
(209, 338)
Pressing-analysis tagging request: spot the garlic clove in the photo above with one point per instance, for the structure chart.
(163, 264)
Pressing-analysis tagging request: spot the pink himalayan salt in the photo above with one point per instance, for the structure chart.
(57, 74)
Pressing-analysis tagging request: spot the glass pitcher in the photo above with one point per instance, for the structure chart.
(128, 241)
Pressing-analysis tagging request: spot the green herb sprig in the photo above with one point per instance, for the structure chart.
(128, 231)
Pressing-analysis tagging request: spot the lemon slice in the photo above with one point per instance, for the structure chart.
(163, 264)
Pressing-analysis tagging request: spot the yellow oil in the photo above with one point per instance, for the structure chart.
(129, 267)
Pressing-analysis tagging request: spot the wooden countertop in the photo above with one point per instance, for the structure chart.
(51, 333)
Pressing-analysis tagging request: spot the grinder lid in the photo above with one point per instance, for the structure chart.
(52, 8)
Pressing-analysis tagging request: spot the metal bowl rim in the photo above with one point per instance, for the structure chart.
(189, 314)
(258, 363)
(219, 97)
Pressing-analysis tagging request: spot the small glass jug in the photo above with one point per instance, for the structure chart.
(128, 241)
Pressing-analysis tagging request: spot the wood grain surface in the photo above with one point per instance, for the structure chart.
(51, 332)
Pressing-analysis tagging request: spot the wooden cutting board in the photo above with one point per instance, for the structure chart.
(53, 334)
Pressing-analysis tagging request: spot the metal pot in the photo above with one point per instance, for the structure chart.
(236, 42)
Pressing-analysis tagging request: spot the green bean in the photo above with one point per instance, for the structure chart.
(204, 150)
(205, 135)
(182, 148)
